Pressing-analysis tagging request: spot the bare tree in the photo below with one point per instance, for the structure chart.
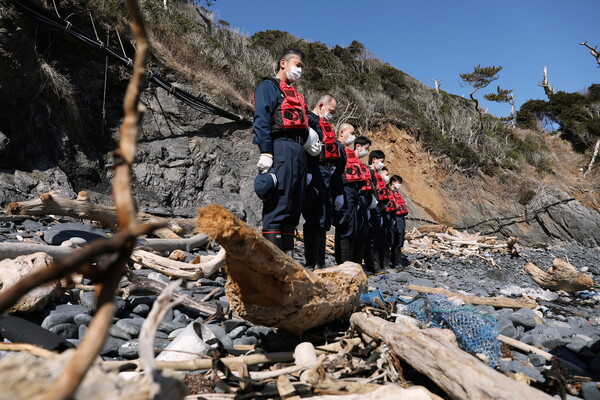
(593, 52)
(437, 84)
(549, 90)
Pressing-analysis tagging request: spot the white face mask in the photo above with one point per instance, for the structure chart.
(294, 74)
(397, 186)
(386, 179)
(362, 152)
(379, 165)
(350, 139)
(328, 116)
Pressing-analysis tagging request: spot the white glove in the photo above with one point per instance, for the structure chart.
(338, 202)
(264, 162)
(313, 144)
(308, 178)
(373, 203)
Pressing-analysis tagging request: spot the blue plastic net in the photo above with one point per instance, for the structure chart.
(476, 332)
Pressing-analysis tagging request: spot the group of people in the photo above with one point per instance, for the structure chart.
(306, 169)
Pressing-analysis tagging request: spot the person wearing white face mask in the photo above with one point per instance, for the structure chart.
(400, 222)
(281, 131)
(372, 257)
(350, 219)
(325, 191)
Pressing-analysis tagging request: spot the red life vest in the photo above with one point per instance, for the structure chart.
(330, 150)
(368, 186)
(391, 206)
(383, 193)
(353, 171)
(291, 113)
(401, 208)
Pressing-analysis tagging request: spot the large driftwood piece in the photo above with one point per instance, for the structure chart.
(560, 276)
(81, 207)
(179, 269)
(458, 373)
(503, 302)
(267, 287)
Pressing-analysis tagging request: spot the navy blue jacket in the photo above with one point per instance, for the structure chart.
(267, 97)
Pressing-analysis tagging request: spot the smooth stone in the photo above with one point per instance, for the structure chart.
(59, 233)
(67, 331)
(79, 241)
(245, 340)
(237, 332)
(141, 310)
(88, 299)
(56, 319)
(537, 360)
(590, 391)
(81, 331)
(423, 282)
(258, 330)
(181, 321)
(119, 333)
(82, 319)
(524, 317)
(30, 225)
(231, 324)
(111, 345)
(119, 305)
(136, 300)
(226, 341)
(219, 280)
(167, 327)
(161, 335)
(517, 366)
(576, 344)
(130, 326)
(72, 309)
(509, 330)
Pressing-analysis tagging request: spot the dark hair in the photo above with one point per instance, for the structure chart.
(361, 141)
(290, 52)
(376, 154)
(396, 178)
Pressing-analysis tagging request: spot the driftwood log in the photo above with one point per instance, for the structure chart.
(503, 302)
(267, 287)
(560, 276)
(430, 352)
(179, 269)
(81, 207)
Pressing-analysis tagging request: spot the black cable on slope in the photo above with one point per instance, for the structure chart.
(43, 15)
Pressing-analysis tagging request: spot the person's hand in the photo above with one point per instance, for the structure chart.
(338, 202)
(313, 144)
(264, 162)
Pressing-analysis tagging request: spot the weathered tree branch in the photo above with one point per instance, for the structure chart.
(488, 301)
(458, 373)
(560, 276)
(267, 287)
(81, 207)
(179, 269)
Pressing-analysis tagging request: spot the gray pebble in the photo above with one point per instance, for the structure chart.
(237, 332)
(576, 344)
(524, 317)
(56, 319)
(516, 366)
(130, 326)
(216, 330)
(111, 345)
(423, 282)
(81, 331)
(119, 333)
(88, 299)
(258, 330)
(67, 331)
(245, 340)
(167, 327)
(220, 281)
(231, 324)
(537, 360)
(590, 391)
(72, 309)
(141, 310)
(161, 335)
(82, 319)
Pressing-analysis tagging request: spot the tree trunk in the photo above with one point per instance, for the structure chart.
(267, 287)
(458, 373)
(560, 276)
(488, 301)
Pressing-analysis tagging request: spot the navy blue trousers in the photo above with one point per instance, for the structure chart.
(281, 212)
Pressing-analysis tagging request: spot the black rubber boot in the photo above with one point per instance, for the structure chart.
(345, 250)
(321, 253)
(369, 259)
(384, 258)
(311, 245)
(358, 252)
(337, 248)
(275, 238)
(396, 257)
(287, 239)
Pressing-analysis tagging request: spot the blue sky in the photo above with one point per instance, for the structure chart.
(437, 39)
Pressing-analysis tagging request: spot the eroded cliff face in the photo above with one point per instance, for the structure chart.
(55, 136)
